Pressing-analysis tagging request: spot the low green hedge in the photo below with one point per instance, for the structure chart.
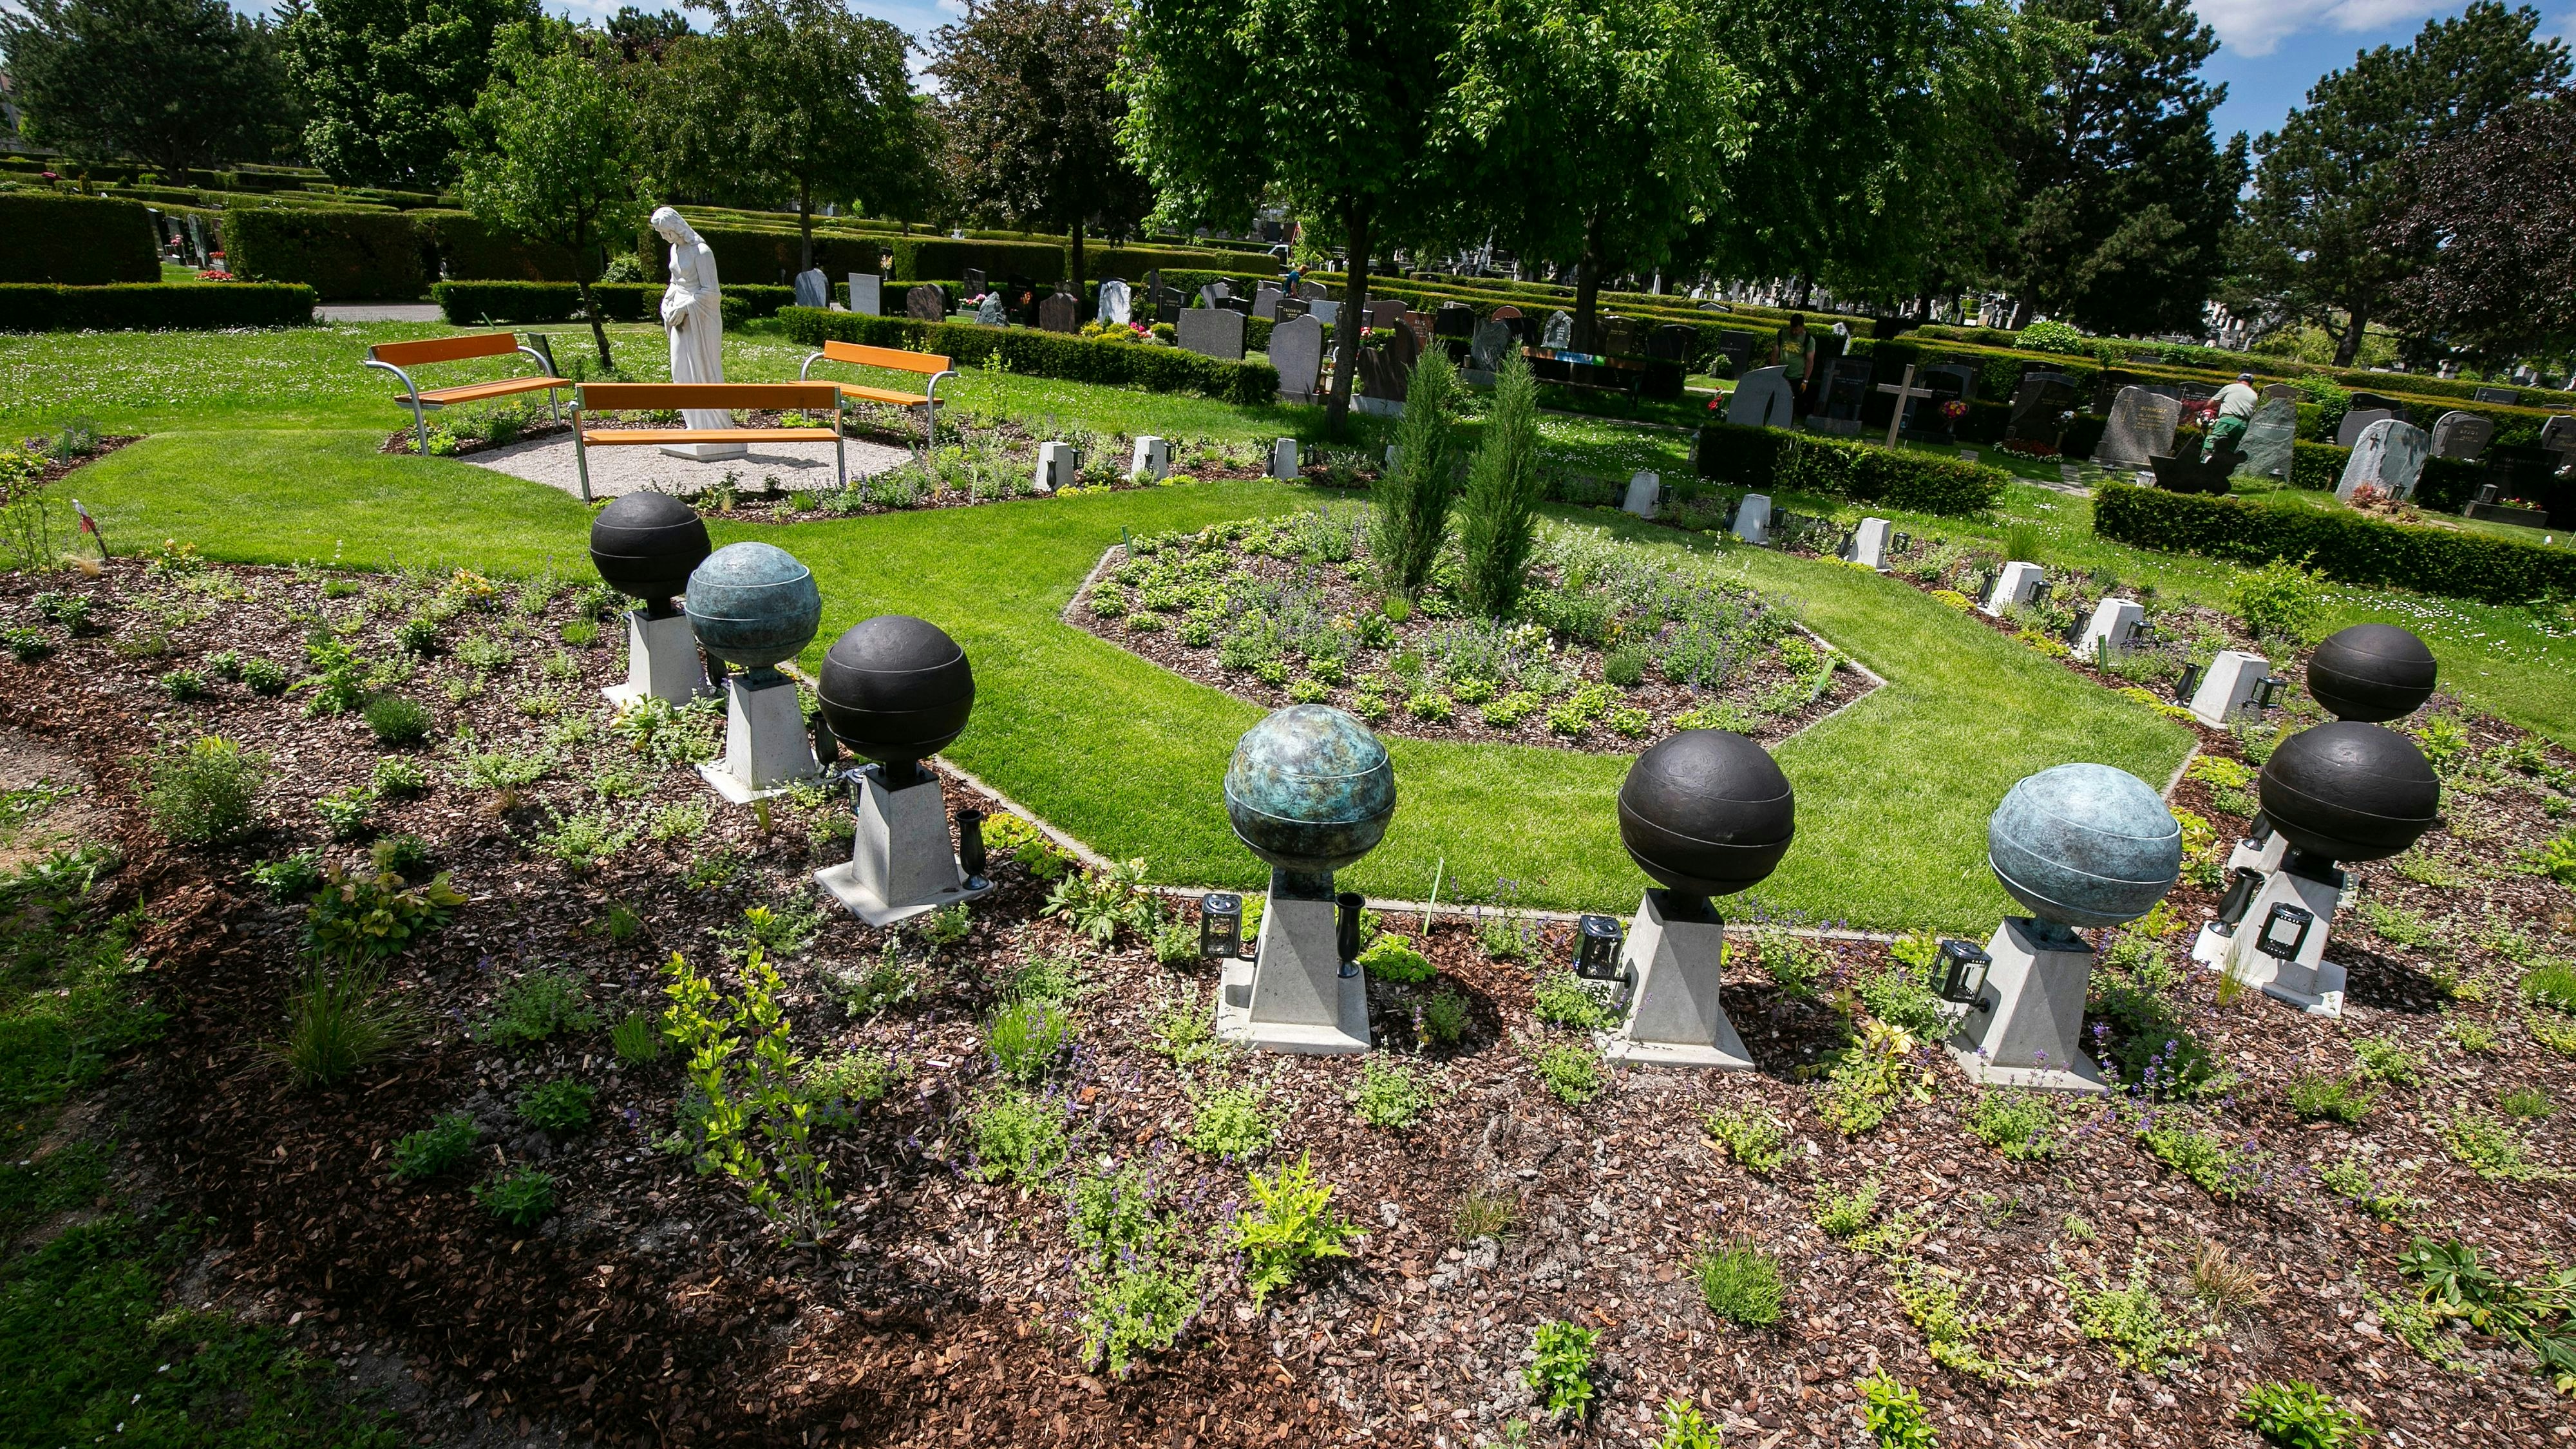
(465, 250)
(917, 257)
(154, 306)
(2348, 547)
(1776, 458)
(75, 240)
(477, 304)
(362, 256)
(1045, 354)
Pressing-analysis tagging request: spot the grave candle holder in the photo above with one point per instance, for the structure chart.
(897, 690)
(1962, 973)
(646, 545)
(1596, 948)
(754, 606)
(1220, 926)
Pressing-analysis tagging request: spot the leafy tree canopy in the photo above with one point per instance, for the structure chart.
(2498, 280)
(380, 76)
(180, 83)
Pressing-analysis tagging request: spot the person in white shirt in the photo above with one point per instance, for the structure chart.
(2235, 410)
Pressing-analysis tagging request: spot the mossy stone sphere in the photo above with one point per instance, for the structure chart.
(753, 605)
(2085, 845)
(1310, 790)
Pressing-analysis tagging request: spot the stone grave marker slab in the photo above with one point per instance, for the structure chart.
(1116, 303)
(2389, 455)
(2357, 422)
(1265, 302)
(1213, 332)
(1060, 313)
(1491, 345)
(1762, 399)
(866, 295)
(1753, 519)
(2141, 426)
(813, 288)
(2268, 436)
(2497, 395)
(1559, 331)
(2461, 435)
(1645, 494)
(926, 303)
(1297, 350)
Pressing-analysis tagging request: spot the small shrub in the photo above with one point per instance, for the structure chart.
(290, 877)
(1290, 1225)
(2530, 1104)
(522, 1199)
(1390, 1096)
(1686, 1428)
(1843, 1214)
(183, 685)
(1444, 1018)
(637, 1038)
(341, 1021)
(1026, 1037)
(396, 778)
(2222, 1169)
(1392, 958)
(562, 1105)
(2280, 600)
(344, 813)
(1561, 1374)
(442, 1146)
(2299, 1415)
(398, 721)
(1893, 1414)
(1018, 1137)
(1229, 1123)
(403, 855)
(2333, 1099)
(263, 677)
(537, 1007)
(1571, 1074)
(1754, 1138)
(2492, 1149)
(1740, 1283)
(26, 645)
(2020, 1125)
(1563, 1000)
(2552, 984)
(203, 794)
(2387, 1059)
(2132, 1321)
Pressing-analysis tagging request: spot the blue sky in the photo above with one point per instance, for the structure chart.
(2271, 51)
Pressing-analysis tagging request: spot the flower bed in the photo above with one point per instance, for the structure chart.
(1611, 649)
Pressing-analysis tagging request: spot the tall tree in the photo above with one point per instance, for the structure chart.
(1326, 106)
(1871, 164)
(552, 151)
(2123, 197)
(2499, 276)
(380, 76)
(178, 83)
(2329, 184)
(1032, 119)
(1591, 132)
(643, 35)
(797, 100)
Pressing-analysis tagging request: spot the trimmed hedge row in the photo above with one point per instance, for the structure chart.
(75, 240)
(1776, 458)
(1046, 354)
(476, 304)
(463, 249)
(2348, 547)
(764, 256)
(367, 256)
(2228, 364)
(928, 258)
(153, 306)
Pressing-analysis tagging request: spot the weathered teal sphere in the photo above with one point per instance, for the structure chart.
(753, 605)
(1310, 790)
(2085, 845)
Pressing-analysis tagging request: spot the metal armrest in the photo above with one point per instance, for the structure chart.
(419, 419)
(545, 368)
(930, 409)
(810, 360)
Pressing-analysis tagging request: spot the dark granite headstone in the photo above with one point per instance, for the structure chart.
(926, 303)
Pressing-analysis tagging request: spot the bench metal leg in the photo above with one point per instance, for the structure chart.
(580, 456)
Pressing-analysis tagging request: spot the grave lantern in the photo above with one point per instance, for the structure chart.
(646, 545)
(2079, 846)
(896, 691)
(1220, 926)
(1596, 948)
(970, 843)
(1309, 791)
(2285, 930)
(1962, 972)
(1705, 813)
(754, 606)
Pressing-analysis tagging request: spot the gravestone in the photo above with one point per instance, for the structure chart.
(1737, 349)
(2040, 408)
(1312, 291)
(1265, 302)
(1491, 345)
(2461, 435)
(990, 312)
(1283, 459)
(1154, 290)
(1645, 495)
(1384, 314)
(926, 303)
(866, 298)
(2108, 634)
(1847, 388)
(1559, 332)
(1949, 382)
(2141, 426)
(1213, 332)
(1324, 310)
(2358, 421)
(1152, 460)
(1753, 519)
(1115, 303)
(1060, 313)
(1386, 373)
(1869, 543)
(1454, 320)
(2231, 688)
(2013, 587)
(1058, 466)
(2282, 390)
(1762, 399)
(1292, 307)
(973, 282)
(2389, 455)
(1618, 337)
(2508, 395)
(2381, 402)
(1214, 294)
(1672, 342)
(1297, 350)
(2558, 435)
(813, 288)
(2268, 436)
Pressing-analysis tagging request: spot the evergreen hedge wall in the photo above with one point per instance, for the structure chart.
(354, 256)
(153, 306)
(2348, 547)
(1776, 458)
(477, 304)
(1046, 354)
(83, 241)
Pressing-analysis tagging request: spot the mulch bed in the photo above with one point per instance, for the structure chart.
(657, 1307)
(56, 468)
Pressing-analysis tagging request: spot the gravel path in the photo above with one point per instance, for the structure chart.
(796, 467)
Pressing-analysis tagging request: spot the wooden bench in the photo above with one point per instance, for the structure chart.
(660, 396)
(396, 357)
(862, 355)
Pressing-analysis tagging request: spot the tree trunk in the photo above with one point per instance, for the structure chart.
(598, 333)
(1806, 290)
(2348, 346)
(1587, 289)
(1350, 325)
(805, 224)
(1077, 268)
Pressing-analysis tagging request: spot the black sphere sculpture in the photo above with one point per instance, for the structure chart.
(2349, 791)
(2371, 673)
(896, 689)
(647, 545)
(1707, 813)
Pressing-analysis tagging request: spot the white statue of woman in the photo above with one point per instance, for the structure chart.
(693, 311)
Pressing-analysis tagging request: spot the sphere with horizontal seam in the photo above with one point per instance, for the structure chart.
(647, 544)
(753, 605)
(2371, 673)
(2350, 791)
(2084, 845)
(1310, 790)
(1707, 813)
(896, 688)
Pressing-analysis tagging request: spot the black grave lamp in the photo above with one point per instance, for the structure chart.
(970, 845)
(1596, 949)
(1346, 929)
(1960, 973)
(2284, 931)
(1220, 926)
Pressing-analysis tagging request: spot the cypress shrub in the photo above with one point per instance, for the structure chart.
(1500, 509)
(1413, 497)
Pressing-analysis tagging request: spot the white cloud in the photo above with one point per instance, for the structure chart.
(2257, 27)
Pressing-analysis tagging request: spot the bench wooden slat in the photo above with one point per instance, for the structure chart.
(445, 349)
(477, 391)
(883, 395)
(655, 396)
(887, 357)
(634, 437)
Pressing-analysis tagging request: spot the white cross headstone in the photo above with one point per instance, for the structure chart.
(2013, 586)
(1283, 459)
(864, 293)
(1645, 494)
(1152, 461)
(2107, 635)
(1906, 392)
(1869, 543)
(1055, 467)
(1753, 519)
(2229, 687)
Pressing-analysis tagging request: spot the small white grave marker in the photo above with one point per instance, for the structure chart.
(2013, 586)
(1753, 519)
(1645, 495)
(1056, 462)
(2230, 688)
(1283, 459)
(1869, 543)
(2107, 636)
(1152, 462)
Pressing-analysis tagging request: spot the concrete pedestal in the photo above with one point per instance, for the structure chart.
(1753, 519)
(901, 863)
(661, 662)
(2013, 586)
(1294, 995)
(2304, 979)
(1869, 543)
(1056, 467)
(766, 747)
(707, 452)
(2106, 637)
(2027, 1027)
(2231, 688)
(1283, 459)
(1673, 961)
